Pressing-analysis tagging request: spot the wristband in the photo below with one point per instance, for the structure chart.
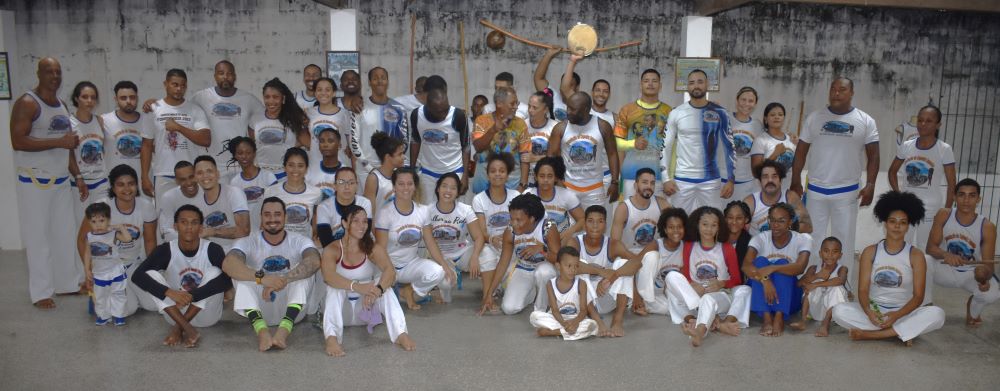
(351, 288)
(380, 289)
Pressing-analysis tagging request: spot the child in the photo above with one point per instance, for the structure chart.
(105, 272)
(823, 287)
(568, 296)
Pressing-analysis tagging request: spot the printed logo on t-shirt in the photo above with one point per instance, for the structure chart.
(837, 128)
(775, 257)
(445, 233)
(706, 270)
(785, 159)
(560, 113)
(253, 193)
(226, 110)
(326, 189)
(644, 231)
(710, 116)
(539, 144)
(59, 125)
(557, 216)
(320, 127)
(646, 128)
(568, 309)
(499, 220)
(661, 277)
(296, 214)
(888, 277)
(92, 151)
(100, 249)
(742, 142)
(521, 246)
(129, 144)
(271, 136)
(919, 171)
(338, 232)
(960, 245)
(216, 219)
(134, 233)
(409, 235)
(434, 136)
(276, 264)
(581, 151)
(191, 279)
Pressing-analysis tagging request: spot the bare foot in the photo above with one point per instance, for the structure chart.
(617, 330)
(639, 306)
(45, 304)
(854, 334)
(278, 340)
(696, 337)
(406, 293)
(798, 325)
(544, 332)
(438, 297)
(333, 348)
(174, 337)
(730, 328)
(603, 331)
(969, 320)
(823, 331)
(406, 343)
(765, 330)
(909, 343)
(715, 324)
(191, 339)
(779, 325)
(688, 328)
(264, 340)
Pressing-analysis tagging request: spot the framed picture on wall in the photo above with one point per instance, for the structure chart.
(684, 65)
(4, 77)
(339, 61)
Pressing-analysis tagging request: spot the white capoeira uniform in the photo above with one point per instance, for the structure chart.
(891, 288)
(822, 299)
(45, 199)
(965, 241)
(404, 232)
(758, 222)
(384, 192)
(228, 117)
(166, 204)
(539, 144)
(607, 115)
(568, 304)
(497, 219)
(558, 207)
(923, 174)
(390, 118)
(324, 178)
(273, 259)
(342, 121)
(765, 144)
(601, 259)
(835, 162)
(123, 140)
(745, 134)
(273, 139)
(640, 230)
(222, 213)
(328, 214)
(171, 147)
(451, 232)
(441, 147)
(187, 274)
(131, 254)
(304, 101)
(109, 275)
(344, 308)
(581, 148)
(705, 265)
(702, 138)
(298, 207)
(526, 283)
(253, 190)
(90, 158)
(667, 261)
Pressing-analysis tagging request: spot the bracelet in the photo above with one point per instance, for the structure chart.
(351, 288)
(380, 289)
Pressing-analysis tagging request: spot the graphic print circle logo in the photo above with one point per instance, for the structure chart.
(581, 152)
(91, 152)
(888, 278)
(409, 237)
(296, 214)
(918, 173)
(276, 264)
(129, 146)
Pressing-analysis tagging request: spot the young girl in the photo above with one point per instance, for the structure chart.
(251, 179)
(350, 268)
(710, 268)
(745, 132)
(560, 203)
(823, 287)
(105, 273)
(300, 198)
(378, 186)
(323, 175)
(570, 303)
(326, 114)
(670, 227)
(491, 206)
(451, 223)
(773, 143)
(282, 125)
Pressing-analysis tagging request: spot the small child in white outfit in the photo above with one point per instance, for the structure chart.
(569, 303)
(823, 288)
(105, 271)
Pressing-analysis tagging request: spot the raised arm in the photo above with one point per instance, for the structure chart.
(543, 68)
(566, 82)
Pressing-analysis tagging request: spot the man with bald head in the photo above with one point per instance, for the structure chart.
(579, 141)
(229, 111)
(43, 143)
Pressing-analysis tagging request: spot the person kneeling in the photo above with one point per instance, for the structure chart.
(570, 303)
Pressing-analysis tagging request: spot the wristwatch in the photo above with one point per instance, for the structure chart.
(766, 277)
(258, 275)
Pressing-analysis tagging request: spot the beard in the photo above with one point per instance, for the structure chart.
(697, 94)
(647, 194)
(273, 231)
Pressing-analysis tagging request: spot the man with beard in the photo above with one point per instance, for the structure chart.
(229, 111)
(579, 141)
(184, 278)
(640, 129)
(185, 192)
(505, 79)
(350, 82)
(380, 114)
(122, 128)
(227, 216)
(414, 100)
(440, 132)
(272, 272)
(634, 225)
(697, 131)
(771, 174)
(307, 97)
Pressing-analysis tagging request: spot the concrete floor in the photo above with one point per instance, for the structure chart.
(456, 350)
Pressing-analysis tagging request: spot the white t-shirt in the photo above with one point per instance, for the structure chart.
(764, 244)
(670, 260)
(558, 207)
(222, 212)
(142, 212)
(496, 216)
(51, 122)
(389, 118)
(228, 116)
(172, 147)
(764, 146)
(405, 232)
(408, 102)
(450, 229)
(838, 144)
(607, 115)
(324, 178)
(253, 190)
(304, 101)
(328, 213)
(640, 224)
(299, 207)
(744, 136)
(167, 205)
(342, 121)
(273, 258)
(273, 140)
(922, 172)
(441, 143)
(701, 138)
(707, 264)
(384, 193)
(103, 253)
(90, 155)
(558, 106)
(539, 143)
(122, 141)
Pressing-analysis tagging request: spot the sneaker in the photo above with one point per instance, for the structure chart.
(118, 321)
(101, 322)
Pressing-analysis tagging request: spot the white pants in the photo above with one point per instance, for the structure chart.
(824, 298)
(49, 239)
(462, 264)
(109, 294)
(134, 299)
(621, 286)
(488, 259)
(706, 307)
(742, 190)
(248, 297)
(422, 274)
(545, 320)
(950, 277)
(211, 307)
(342, 310)
(597, 196)
(524, 287)
(645, 278)
(840, 213)
(316, 295)
(691, 196)
(922, 320)
(427, 185)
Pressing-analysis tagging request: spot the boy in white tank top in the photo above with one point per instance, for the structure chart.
(570, 303)
(823, 288)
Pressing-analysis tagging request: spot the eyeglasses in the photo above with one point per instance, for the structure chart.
(346, 182)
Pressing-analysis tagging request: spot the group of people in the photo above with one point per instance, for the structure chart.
(342, 208)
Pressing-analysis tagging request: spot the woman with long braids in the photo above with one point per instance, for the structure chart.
(282, 125)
